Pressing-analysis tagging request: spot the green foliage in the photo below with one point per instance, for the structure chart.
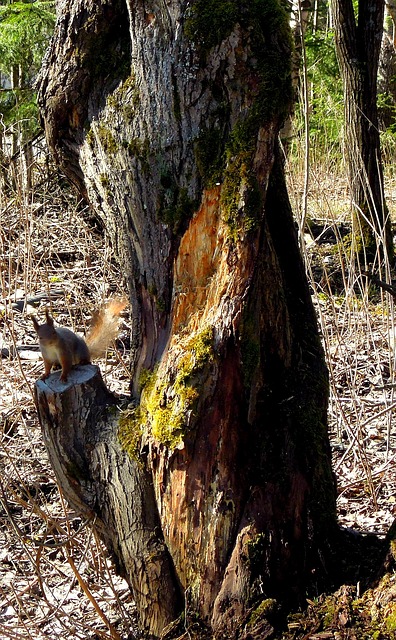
(22, 108)
(387, 110)
(25, 29)
(326, 95)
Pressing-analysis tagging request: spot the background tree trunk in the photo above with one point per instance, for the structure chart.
(387, 68)
(167, 121)
(358, 46)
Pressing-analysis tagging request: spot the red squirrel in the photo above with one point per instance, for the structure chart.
(63, 347)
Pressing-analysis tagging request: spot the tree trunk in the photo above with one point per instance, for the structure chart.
(387, 68)
(358, 45)
(299, 19)
(167, 121)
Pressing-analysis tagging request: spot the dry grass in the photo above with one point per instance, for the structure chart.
(358, 330)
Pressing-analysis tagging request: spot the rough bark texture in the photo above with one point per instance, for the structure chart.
(358, 46)
(98, 478)
(387, 67)
(178, 156)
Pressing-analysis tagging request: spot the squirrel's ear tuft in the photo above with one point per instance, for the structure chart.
(50, 320)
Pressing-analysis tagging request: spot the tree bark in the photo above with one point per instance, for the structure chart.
(178, 155)
(358, 45)
(98, 478)
(387, 67)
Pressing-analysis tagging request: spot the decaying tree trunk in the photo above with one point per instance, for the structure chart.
(166, 118)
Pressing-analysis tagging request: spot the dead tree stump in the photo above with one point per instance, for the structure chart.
(79, 422)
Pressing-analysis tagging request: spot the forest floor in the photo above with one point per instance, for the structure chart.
(56, 578)
(358, 327)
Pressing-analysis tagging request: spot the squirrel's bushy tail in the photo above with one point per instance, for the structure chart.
(104, 327)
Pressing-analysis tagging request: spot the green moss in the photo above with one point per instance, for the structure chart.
(166, 406)
(210, 21)
(146, 378)
(169, 417)
(139, 149)
(104, 180)
(329, 614)
(265, 34)
(209, 156)
(125, 99)
(370, 617)
(129, 85)
(167, 426)
(201, 349)
(265, 609)
(90, 138)
(266, 22)
(241, 200)
(256, 548)
(390, 620)
(106, 139)
(160, 304)
(130, 431)
(175, 208)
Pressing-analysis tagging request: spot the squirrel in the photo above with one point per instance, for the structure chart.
(63, 347)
